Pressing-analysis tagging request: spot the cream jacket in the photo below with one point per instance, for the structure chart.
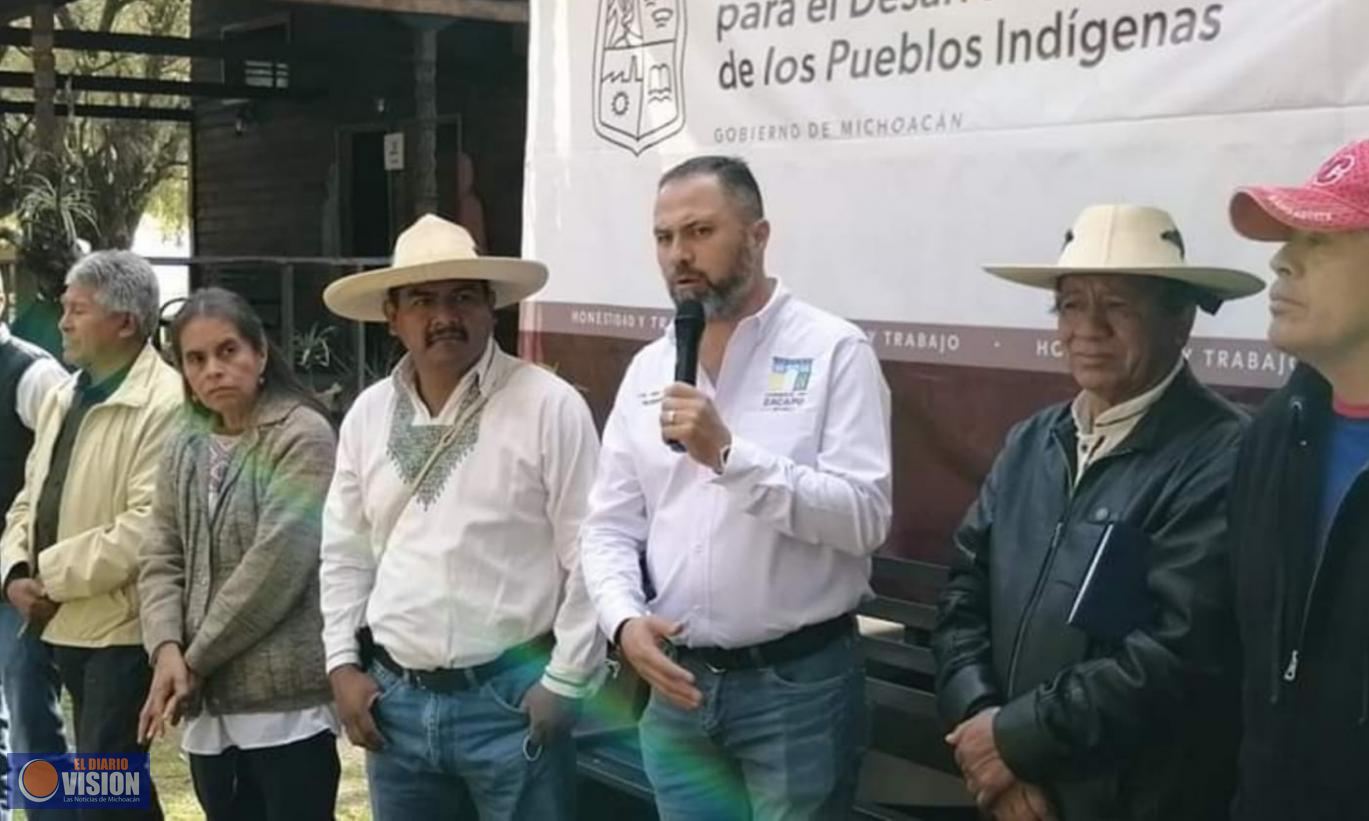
(91, 571)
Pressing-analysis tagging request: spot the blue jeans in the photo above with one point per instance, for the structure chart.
(444, 751)
(30, 716)
(781, 742)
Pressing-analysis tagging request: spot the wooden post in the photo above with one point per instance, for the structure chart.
(287, 314)
(45, 83)
(425, 98)
(359, 348)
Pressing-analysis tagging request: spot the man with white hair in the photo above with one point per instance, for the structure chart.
(69, 557)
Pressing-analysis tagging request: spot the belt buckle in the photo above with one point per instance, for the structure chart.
(717, 671)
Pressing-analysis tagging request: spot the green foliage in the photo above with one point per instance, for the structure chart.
(121, 168)
(52, 213)
(314, 348)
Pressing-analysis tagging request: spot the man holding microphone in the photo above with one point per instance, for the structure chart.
(756, 539)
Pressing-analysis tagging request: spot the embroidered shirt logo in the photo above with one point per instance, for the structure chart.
(788, 382)
(410, 445)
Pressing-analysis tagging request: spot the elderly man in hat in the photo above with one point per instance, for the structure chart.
(458, 632)
(1300, 507)
(1082, 643)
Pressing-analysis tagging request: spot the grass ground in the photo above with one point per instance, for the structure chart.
(171, 772)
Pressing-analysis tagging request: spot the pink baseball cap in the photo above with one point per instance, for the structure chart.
(1335, 199)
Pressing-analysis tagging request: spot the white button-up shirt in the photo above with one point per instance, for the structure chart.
(36, 383)
(781, 539)
(485, 554)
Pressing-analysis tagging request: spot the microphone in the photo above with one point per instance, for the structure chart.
(689, 329)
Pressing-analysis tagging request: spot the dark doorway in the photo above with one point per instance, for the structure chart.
(377, 204)
(368, 229)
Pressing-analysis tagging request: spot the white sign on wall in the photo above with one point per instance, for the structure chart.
(901, 144)
(394, 151)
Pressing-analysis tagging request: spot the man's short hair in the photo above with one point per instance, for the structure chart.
(732, 173)
(123, 282)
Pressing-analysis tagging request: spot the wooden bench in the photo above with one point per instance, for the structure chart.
(908, 772)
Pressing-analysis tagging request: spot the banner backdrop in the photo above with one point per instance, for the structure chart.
(901, 144)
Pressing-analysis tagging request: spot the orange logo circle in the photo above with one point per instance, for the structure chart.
(38, 780)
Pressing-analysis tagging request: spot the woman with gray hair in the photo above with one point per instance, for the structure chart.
(230, 579)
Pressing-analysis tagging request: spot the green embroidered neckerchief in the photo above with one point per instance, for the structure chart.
(410, 445)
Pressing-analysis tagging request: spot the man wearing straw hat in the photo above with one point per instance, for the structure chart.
(1300, 507)
(1083, 644)
(458, 633)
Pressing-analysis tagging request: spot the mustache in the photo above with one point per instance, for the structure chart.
(692, 273)
(447, 332)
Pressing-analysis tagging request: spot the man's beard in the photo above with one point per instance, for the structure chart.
(725, 298)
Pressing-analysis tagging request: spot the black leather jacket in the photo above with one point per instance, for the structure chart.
(1144, 728)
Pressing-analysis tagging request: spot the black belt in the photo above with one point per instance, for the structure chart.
(802, 642)
(457, 679)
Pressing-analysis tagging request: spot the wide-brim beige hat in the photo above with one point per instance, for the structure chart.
(433, 250)
(1130, 239)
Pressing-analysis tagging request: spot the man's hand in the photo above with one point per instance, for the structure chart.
(689, 417)
(1023, 802)
(173, 685)
(355, 692)
(640, 640)
(549, 715)
(975, 752)
(30, 598)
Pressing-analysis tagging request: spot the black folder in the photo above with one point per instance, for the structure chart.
(1114, 598)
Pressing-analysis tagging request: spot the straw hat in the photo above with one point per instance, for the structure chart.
(1135, 240)
(432, 250)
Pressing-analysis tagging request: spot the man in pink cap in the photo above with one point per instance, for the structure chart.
(1299, 508)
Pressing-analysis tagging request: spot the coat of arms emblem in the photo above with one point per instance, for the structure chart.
(639, 72)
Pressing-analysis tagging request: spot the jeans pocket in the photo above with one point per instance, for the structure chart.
(387, 681)
(826, 668)
(507, 690)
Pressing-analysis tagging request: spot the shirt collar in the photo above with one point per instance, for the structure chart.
(1350, 410)
(1124, 413)
(4, 333)
(93, 393)
(763, 318)
(477, 377)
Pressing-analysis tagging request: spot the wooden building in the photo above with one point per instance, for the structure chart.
(326, 126)
(318, 165)
(336, 167)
